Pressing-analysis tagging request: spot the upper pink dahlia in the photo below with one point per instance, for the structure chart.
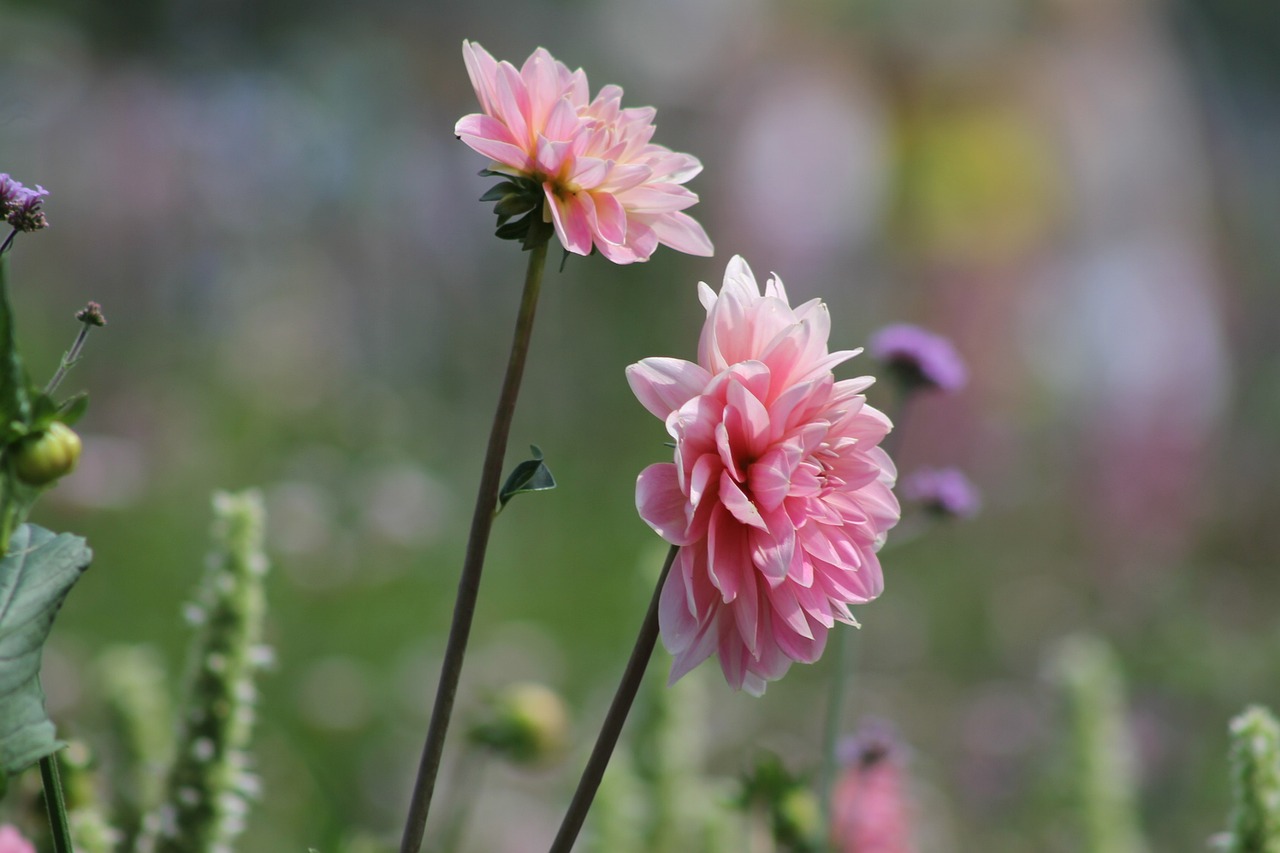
(606, 185)
(779, 495)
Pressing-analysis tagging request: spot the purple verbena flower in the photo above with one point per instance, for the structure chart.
(945, 492)
(20, 205)
(918, 358)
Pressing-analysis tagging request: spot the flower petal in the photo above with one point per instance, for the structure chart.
(663, 385)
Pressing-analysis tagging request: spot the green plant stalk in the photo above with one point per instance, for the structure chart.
(473, 564)
(632, 676)
(831, 732)
(1255, 782)
(56, 804)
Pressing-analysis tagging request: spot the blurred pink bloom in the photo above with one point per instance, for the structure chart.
(944, 491)
(870, 809)
(605, 183)
(919, 358)
(11, 841)
(778, 496)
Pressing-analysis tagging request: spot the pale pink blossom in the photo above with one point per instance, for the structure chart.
(605, 184)
(779, 495)
(11, 841)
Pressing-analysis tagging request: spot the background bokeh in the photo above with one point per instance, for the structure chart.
(303, 294)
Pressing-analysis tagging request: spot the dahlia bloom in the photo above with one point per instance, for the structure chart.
(919, 358)
(605, 184)
(779, 496)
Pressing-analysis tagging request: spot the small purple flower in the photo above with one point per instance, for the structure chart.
(20, 206)
(943, 491)
(919, 358)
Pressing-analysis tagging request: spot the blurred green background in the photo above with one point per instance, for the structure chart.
(303, 294)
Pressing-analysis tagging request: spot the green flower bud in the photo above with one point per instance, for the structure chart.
(527, 724)
(42, 458)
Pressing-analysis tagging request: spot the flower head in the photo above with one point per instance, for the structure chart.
(870, 808)
(20, 206)
(919, 358)
(946, 492)
(604, 183)
(779, 495)
(12, 841)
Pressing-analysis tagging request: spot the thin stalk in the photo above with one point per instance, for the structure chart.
(8, 241)
(831, 733)
(469, 583)
(56, 805)
(68, 359)
(613, 721)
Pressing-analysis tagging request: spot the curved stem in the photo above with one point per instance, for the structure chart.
(469, 583)
(613, 721)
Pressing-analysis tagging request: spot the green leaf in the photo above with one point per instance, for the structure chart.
(531, 475)
(497, 191)
(35, 577)
(15, 401)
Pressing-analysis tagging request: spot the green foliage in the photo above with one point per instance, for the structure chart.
(209, 781)
(531, 475)
(1102, 784)
(35, 576)
(1255, 778)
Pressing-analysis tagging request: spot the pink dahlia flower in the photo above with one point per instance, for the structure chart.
(779, 495)
(605, 184)
(870, 803)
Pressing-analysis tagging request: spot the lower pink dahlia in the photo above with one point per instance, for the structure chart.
(779, 495)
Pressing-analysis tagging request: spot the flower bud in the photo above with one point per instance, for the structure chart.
(527, 724)
(44, 457)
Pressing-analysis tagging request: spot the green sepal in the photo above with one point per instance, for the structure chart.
(73, 408)
(531, 475)
(35, 576)
(497, 191)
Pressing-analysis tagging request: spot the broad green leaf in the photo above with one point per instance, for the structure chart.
(532, 475)
(35, 577)
(15, 402)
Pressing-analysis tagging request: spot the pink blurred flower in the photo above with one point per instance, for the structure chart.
(778, 496)
(11, 841)
(919, 358)
(606, 185)
(870, 807)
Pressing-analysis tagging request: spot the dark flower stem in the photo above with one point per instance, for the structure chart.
(469, 584)
(55, 805)
(8, 241)
(613, 721)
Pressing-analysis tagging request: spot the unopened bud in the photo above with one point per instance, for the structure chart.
(527, 723)
(42, 458)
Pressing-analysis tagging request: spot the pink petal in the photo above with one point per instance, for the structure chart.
(741, 507)
(490, 137)
(571, 223)
(610, 218)
(661, 503)
(663, 385)
(728, 560)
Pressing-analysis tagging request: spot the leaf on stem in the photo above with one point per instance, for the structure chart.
(35, 577)
(531, 475)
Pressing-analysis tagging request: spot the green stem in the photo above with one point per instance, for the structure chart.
(614, 719)
(469, 584)
(69, 358)
(56, 805)
(831, 734)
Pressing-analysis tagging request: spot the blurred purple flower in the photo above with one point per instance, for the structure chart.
(918, 358)
(20, 206)
(944, 491)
